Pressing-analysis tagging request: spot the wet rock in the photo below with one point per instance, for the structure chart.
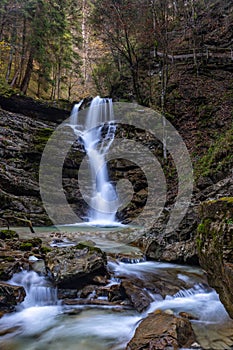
(87, 290)
(133, 257)
(115, 293)
(162, 331)
(8, 268)
(35, 109)
(67, 293)
(10, 296)
(187, 315)
(139, 298)
(215, 247)
(98, 302)
(75, 267)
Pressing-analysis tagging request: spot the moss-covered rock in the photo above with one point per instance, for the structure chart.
(215, 246)
(8, 234)
(218, 160)
(25, 246)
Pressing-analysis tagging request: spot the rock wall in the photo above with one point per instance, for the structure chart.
(215, 247)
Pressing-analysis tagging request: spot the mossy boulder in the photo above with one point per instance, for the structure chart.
(215, 246)
(8, 234)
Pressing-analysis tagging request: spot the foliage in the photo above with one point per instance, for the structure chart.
(36, 38)
(6, 90)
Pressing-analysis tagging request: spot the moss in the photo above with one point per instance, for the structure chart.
(227, 199)
(218, 158)
(25, 246)
(199, 243)
(91, 248)
(8, 234)
(45, 250)
(9, 258)
(36, 242)
(203, 227)
(41, 138)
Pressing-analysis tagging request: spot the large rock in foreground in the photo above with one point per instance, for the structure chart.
(75, 267)
(162, 331)
(215, 247)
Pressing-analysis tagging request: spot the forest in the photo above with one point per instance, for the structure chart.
(116, 164)
(71, 49)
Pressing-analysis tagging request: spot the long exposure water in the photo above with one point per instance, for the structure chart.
(43, 323)
(97, 135)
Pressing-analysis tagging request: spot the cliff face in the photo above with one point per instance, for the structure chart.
(215, 247)
(20, 149)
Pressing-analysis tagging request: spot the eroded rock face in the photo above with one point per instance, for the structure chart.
(75, 267)
(215, 247)
(162, 331)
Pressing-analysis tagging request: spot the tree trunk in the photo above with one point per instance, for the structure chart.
(8, 72)
(22, 60)
(27, 76)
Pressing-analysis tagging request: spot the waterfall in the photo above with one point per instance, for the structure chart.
(74, 113)
(97, 136)
(39, 291)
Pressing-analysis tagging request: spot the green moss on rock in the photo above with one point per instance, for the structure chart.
(214, 243)
(218, 158)
(41, 138)
(8, 234)
(45, 250)
(26, 246)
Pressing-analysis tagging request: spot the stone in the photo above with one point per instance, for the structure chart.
(215, 247)
(160, 331)
(8, 268)
(10, 296)
(139, 297)
(187, 315)
(76, 267)
(87, 291)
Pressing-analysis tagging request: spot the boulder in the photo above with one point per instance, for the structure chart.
(10, 296)
(161, 330)
(75, 267)
(215, 247)
(8, 268)
(139, 298)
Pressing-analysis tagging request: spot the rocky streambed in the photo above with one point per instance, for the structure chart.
(58, 291)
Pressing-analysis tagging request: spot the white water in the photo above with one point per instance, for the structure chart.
(49, 327)
(97, 136)
(39, 291)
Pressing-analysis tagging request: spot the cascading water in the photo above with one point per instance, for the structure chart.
(97, 136)
(39, 291)
(58, 327)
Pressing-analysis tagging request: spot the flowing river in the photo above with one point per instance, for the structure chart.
(41, 322)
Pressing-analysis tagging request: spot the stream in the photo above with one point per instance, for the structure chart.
(42, 322)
